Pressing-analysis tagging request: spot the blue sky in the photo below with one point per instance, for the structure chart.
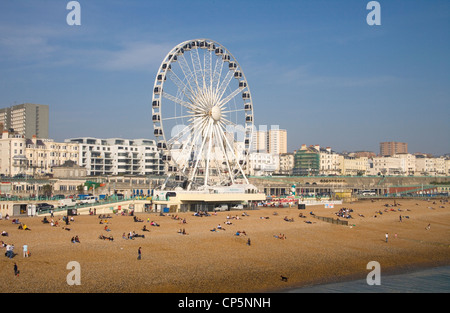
(314, 68)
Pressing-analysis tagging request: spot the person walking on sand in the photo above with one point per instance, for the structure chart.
(16, 270)
(139, 253)
(387, 236)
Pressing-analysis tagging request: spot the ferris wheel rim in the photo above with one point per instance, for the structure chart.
(165, 67)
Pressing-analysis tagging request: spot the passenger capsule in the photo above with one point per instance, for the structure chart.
(232, 66)
(238, 74)
(245, 95)
(162, 145)
(158, 131)
(155, 104)
(218, 51)
(156, 117)
(161, 77)
(249, 118)
(242, 84)
(247, 107)
(157, 90)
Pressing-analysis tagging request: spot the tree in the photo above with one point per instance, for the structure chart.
(47, 190)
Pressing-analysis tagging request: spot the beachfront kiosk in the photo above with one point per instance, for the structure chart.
(236, 197)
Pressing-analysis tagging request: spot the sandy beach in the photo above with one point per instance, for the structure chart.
(202, 260)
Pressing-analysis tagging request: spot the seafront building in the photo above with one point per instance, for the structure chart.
(306, 161)
(315, 161)
(117, 156)
(33, 157)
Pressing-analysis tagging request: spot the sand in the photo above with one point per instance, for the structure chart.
(216, 262)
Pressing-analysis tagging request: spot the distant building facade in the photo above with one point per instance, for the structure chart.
(393, 147)
(286, 164)
(35, 156)
(306, 161)
(272, 141)
(27, 119)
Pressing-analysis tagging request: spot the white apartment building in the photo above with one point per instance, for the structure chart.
(330, 162)
(431, 166)
(262, 164)
(387, 166)
(407, 163)
(34, 156)
(286, 166)
(352, 166)
(117, 156)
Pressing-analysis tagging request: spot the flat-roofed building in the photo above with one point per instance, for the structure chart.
(117, 156)
(393, 147)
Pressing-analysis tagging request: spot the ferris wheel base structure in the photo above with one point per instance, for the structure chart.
(219, 198)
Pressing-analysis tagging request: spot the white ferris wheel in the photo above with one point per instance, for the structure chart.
(202, 115)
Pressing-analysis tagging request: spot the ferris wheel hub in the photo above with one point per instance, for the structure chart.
(215, 113)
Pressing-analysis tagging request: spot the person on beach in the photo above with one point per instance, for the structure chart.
(387, 236)
(139, 253)
(25, 251)
(16, 270)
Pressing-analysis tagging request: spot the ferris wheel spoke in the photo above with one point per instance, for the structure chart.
(197, 68)
(208, 70)
(231, 111)
(222, 148)
(217, 73)
(188, 74)
(234, 154)
(186, 90)
(211, 138)
(182, 116)
(197, 124)
(224, 84)
(229, 97)
(183, 103)
(186, 130)
(199, 156)
(225, 122)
